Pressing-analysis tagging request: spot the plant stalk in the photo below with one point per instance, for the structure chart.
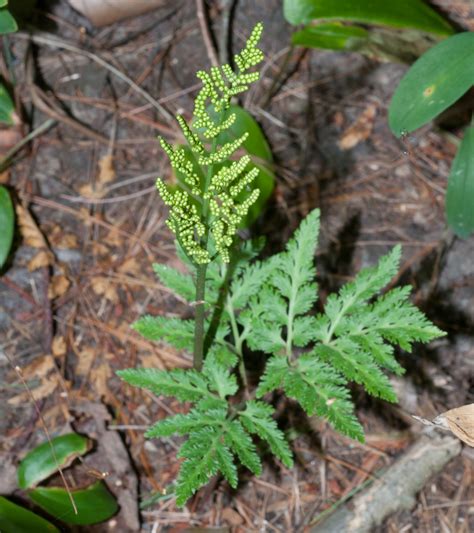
(199, 317)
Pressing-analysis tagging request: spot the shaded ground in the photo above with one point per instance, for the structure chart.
(66, 323)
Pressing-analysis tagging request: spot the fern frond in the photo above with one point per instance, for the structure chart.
(181, 284)
(185, 385)
(356, 365)
(205, 455)
(257, 419)
(174, 331)
(183, 424)
(219, 378)
(242, 445)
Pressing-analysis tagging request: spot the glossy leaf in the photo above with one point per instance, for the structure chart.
(331, 37)
(3, 3)
(17, 519)
(460, 193)
(7, 222)
(94, 504)
(414, 14)
(7, 107)
(434, 82)
(7, 22)
(40, 463)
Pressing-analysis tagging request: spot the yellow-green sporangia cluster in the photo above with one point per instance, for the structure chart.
(212, 206)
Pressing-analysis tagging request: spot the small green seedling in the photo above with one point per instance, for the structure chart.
(247, 308)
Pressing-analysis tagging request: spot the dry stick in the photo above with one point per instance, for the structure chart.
(397, 487)
(45, 429)
(206, 34)
(224, 35)
(47, 39)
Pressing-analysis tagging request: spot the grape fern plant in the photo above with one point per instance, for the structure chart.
(262, 308)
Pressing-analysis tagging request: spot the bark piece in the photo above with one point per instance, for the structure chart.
(397, 488)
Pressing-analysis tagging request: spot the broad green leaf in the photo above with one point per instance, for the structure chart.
(257, 147)
(7, 22)
(7, 220)
(413, 14)
(333, 36)
(256, 144)
(94, 503)
(40, 463)
(434, 82)
(7, 108)
(460, 193)
(16, 519)
(3, 3)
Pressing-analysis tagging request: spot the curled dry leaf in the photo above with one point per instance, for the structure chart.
(360, 130)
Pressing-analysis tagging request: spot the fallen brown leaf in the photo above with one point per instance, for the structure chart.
(106, 169)
(103, 287)
(58, 346)
(360, 130)
(29, 230)
(41, 259)
(58, 286)
(85, 361)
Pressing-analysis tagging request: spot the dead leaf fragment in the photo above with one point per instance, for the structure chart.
(29, 230)
(58, 346)
(99, 377)
(103, 287)
(59, 285)
(85, 361)
(360, 130)
(106, 169)
(40, 260)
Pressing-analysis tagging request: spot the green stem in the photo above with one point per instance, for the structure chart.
(199, 317)
(201, 270)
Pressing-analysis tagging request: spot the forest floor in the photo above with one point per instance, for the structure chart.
(66, 302)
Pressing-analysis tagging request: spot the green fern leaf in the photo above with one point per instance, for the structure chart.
(346, 357)
(181, 284)
(219, 378)
(174, 331)
(257, 419)
(274, 375)
(200, 464)
(242, 445)
(183, 424)
(321, 390)
(185, 385)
